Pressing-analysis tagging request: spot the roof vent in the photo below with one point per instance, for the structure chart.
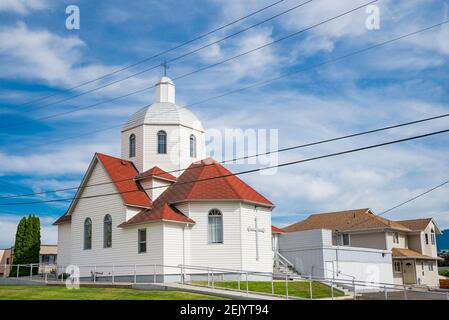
(123, 162)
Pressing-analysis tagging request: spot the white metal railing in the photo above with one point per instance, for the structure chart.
(209, 277)
(279, 260)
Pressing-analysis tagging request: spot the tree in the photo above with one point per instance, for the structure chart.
(27, 245)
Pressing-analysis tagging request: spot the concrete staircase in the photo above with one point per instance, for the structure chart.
(282, 267)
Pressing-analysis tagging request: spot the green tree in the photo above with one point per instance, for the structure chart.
(27, 245)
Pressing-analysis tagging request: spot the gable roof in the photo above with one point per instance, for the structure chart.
(122, 173)
(156, 172)
(357, 219)
(419, 224)
(209, 180)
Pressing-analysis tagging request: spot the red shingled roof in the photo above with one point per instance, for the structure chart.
(276, 230)
(209, 180)
(157, 172)
(123, 172)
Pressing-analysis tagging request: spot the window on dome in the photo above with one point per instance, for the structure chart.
(215, 226)
(192, 146)
(162, 142)
(132, 145)
(107, 231)
(87, 234)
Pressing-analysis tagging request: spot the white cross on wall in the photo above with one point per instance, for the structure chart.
(256, 230)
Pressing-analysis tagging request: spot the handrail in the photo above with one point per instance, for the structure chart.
(182, 268)
(284, 261)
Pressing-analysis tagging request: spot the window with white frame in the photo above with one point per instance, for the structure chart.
(87, 234)
(162, 142)
(426, 236)
(132, 145)
(396, 237)
(397, 266)
(430, 266)
(432, 236)
(107, 231)
(215, 226)
(192, 146)
(345, 239)
(142, 240)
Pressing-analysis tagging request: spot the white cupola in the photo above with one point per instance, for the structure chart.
(163, 134)
(165, 91)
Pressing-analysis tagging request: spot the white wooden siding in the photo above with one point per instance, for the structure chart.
(64, 244)
(249, 262)
(124, 248)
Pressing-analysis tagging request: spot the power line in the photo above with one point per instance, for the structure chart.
(206, 67)
(174, 59)
(401, 204)
(415, 197)
(265, 82)
(246, 171)
(156, 55)
(251, 156)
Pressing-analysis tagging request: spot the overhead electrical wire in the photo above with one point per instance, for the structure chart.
(155, 55)
(285, 164)
(263, 82)
(203, 68)
(310, 144)
(132, 75)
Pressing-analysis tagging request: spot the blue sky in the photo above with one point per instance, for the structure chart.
(404, 81)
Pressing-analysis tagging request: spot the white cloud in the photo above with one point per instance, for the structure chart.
(22, 7)
(66, 159)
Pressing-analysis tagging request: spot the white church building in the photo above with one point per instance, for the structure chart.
(166, 205)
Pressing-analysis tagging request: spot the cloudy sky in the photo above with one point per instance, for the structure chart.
(43, 148)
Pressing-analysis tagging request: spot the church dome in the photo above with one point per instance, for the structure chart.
(164, 110)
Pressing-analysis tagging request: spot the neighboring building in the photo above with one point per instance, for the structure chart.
(411, 244)
(160, 213)
(47, 256)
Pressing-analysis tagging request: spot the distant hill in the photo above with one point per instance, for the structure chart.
(443, 240)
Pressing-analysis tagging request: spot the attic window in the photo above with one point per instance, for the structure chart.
(432, 236)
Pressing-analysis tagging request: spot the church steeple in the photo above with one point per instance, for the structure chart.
(165, 91)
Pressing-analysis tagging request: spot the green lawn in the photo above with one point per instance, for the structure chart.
(62, 293)
(295, 288)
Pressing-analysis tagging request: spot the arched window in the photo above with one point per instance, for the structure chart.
(162, 142)
(132, 145)
(107, 231)
(432, 236)
(87, 234)
(192, 146)
(215, 226)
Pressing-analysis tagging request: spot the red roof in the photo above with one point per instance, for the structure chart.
(276, 230)
(161, 212)
(123, 172)
(157, 172)
(209, 180)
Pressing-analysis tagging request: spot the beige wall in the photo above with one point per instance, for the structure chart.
(4, 256)
(428, 249)
(415, 242)
(369, 240)
(427, 277)
(402, 241)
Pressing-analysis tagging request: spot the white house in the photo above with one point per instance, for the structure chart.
(166, 205)
(362, 245)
